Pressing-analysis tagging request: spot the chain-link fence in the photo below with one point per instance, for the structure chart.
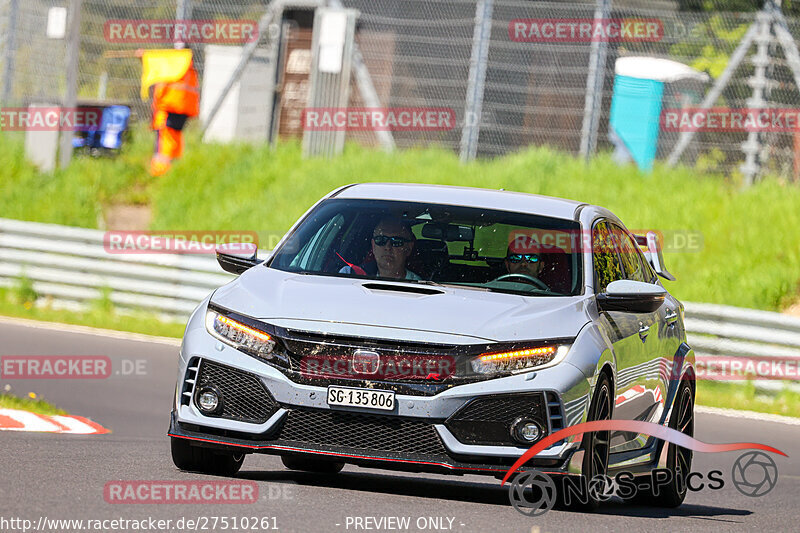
(422, 53)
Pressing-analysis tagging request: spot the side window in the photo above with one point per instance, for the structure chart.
(313, 253)
(607, 267)
(630, 255)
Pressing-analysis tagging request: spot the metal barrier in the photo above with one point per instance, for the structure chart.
(70, 267)
(723, 331)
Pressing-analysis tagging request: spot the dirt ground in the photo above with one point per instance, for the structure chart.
(127, 217)
(793, 310)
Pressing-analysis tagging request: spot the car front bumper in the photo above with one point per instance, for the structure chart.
(272, 414)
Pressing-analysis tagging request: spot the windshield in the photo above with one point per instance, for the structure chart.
(433, 243)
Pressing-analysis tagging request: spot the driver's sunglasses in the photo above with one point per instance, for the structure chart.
(383, 240)
(519, 258)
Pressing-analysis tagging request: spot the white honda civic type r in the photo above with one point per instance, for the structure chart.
(438, 329)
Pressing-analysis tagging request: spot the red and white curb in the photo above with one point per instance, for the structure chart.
(18, 420)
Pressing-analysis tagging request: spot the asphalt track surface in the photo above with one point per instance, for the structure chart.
(60, 476)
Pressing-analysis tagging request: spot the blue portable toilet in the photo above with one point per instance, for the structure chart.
(643, 87)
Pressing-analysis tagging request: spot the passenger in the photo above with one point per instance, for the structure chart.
(392, 244)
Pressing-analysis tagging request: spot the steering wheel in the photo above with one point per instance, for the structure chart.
(524, 277)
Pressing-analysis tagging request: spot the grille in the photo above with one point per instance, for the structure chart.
(488, 420)
(244, 397)
(382, 434)
(320, 357)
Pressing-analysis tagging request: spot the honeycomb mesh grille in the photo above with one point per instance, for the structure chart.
(365, 432)
(244, 397)
(488, 420)
(502, 409)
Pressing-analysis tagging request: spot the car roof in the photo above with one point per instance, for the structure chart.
(464, 196)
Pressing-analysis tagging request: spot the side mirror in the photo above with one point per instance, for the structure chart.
(237, 257)
(653, 254)
(631, 297)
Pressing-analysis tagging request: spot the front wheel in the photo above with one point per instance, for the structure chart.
(204, 460)
(679, 460)
(596, 446)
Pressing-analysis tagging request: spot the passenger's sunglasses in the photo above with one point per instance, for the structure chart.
(383, 240)
(519, 258)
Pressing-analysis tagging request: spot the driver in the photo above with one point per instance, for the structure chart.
(392, 243)
(528, 264)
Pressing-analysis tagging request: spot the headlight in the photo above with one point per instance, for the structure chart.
(241, 336)
(519, 360)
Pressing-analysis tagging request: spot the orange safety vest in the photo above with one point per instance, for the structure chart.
(181, 97)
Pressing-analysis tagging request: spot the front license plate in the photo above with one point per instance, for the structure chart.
(368, 398)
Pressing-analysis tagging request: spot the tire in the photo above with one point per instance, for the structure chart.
(204, 460)
(679, 460)
(596, 444)
(319, 466)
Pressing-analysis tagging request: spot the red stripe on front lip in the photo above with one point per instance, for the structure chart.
(335, 454)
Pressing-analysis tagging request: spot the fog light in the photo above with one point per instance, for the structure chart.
(526, 431)
(208, 400)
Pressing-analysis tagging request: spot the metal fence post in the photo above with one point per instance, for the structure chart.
(594, 86)
(10, 51)
(752, 148)
(477, 77)
(183, 11)
(71, 97)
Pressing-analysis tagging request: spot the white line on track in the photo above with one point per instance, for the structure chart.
(748, 415)
(86, 330)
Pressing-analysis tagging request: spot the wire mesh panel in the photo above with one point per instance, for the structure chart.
(419, 54)
(36, 61)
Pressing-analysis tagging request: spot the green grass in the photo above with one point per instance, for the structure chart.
(750, 254)
(32, 405)
(75, 196)
(746, 397)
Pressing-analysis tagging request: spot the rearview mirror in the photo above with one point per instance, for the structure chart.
(237, 257)
(631, 297)
(448, 232)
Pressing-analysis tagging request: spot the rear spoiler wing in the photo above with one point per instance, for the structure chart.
(652, 252)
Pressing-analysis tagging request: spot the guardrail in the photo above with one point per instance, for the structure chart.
(70, 267)
(724, 331)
